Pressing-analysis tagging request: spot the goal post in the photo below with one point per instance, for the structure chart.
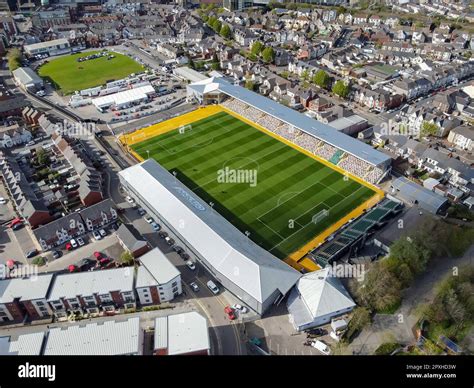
(319, 216)
(183, 129)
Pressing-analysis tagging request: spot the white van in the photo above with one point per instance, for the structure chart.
(322, 347)
(212, 286)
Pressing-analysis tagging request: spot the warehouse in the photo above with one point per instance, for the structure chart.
(27, 79)
(245, 269)
(51, 48)
(124, 99)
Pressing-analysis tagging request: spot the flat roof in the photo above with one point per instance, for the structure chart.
(25, 345)
(95, 339)
(124, 97)
(221, 244)
(34, 287)
(92, 282)
(189, 74)
(47, 44)
(182, 333)
(291, 117)
(158, 266)
(27, 75)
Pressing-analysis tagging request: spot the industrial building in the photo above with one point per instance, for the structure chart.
(252, 274)
(124, 99)
(27, 79)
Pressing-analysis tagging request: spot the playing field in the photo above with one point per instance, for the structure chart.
(281, 196)
(68, 75)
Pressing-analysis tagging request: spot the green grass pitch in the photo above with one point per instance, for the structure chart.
(68, 75)
(284, 209)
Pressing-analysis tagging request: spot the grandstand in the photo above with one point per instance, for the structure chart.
(351, 155)
(355, 233)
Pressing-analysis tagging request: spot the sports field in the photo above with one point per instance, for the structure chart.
(283, 197)
(68, 75)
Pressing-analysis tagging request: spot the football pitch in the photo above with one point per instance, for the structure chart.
(281, 196)
(68, 75)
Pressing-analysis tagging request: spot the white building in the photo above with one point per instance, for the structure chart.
(51, 48)
(110, 338)
(27, 79)
(245, 269)
(462, 137)
(317, 298)
(124, 99)
(158, 280)
(25, 345)
(181, 334)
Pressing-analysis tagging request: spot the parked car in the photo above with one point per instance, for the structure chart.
(169, 241)
(96, 235)
(155, 227)
(17, 226)
(141, 211)
(322, 347)
(163, 234)
(184, 256)
(85, 264)
(15, 221)
(31, 253)
(102, 232)
(190, 265)
(317, 332)
(149, 220)
(230, 312)
(130, 200)
(194, 286)
(74, 243)
(80, 241)
(3, 201)
(57, 254)
(240, 308)
(212, 286)
(98, 255)
(178, 249)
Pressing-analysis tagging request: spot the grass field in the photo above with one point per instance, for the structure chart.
(283, 208)
(68, 75)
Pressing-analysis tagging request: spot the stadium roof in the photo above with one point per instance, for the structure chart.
(412, 192)
(94, 282)
(103, 339)
(230, 252)
(182, 333)
(155, 264)
(292, 117)
(34, 287)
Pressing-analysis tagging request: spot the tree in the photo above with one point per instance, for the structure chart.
(126, 258)
(268, 54)
(250, 85)
(429, 129)
(322, 79)
(14, 57)
(226, 32)
(305, 75)
(341, 89)
(216, 25)
(360, 319)
(257, 48)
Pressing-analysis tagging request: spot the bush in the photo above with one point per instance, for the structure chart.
(386, 348)
(39, 261)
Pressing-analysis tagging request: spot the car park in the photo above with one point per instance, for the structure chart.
(212, 286)
(190, 265)
(96, 235)
(31, 253)
(80, 241)
(230, 312)
(156, 227)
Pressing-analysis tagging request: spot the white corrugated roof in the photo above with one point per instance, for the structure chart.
(93, 282)
(158, 266)
(124, 97)
(49, 43)
(323, 293)
(161, 333)
(95, 339)
(25, 345)
(232, 254)
(187, 332)
(34, 287)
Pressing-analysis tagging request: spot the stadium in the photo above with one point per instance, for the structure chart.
(304, 181)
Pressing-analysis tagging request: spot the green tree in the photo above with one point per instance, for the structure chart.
(126, 258)
(322, 79)
(305, 75)
(14, 57)
(429, 129)
(341, 89)
(250, 85)
(268, 54)
(360, 318)
(257, 48)
(217, 25)
(226, 32)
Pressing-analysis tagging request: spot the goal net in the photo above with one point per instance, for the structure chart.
(183, 129)
(319, 216)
